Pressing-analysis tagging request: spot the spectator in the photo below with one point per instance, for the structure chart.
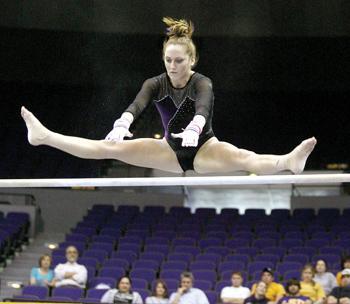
(236, 293)
(293, 294)
(274, 291)
(326, 279)
(159, 294)
(186, 293)
(345, 264)
(309, 287)
(71, 273)
(123, 294)
(42, 275)
(259, 295)
(341, 295)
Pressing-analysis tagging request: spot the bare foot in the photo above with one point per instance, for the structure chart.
(297, 158)
(36, 131)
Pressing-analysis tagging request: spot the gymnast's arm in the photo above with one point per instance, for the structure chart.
(121, 126)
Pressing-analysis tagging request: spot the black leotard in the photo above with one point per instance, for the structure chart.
(177, 107)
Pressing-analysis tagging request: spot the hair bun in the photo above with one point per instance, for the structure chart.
(178, 28)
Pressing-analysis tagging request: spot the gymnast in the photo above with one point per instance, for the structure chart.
(184, 99)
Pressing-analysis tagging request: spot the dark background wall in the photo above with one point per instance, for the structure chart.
(280, 72)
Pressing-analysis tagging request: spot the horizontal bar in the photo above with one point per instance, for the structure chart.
(176, 181)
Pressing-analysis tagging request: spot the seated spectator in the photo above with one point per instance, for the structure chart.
(236, 293)
(186, 293)
(123, 294)
(341, 295)
(274, 291)
(259, 295)
(309, 287)
(70, 273)
(159, 294)
(326, 279)
(42, 275)
(293, 294)
(345, 264)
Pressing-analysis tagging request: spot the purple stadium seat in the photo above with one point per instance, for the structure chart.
(144, 293)
(231, 213)
(91, 271)
(157, 248)
(254, 213)
(71, 293)
(41, 292)
(88, 232)
(299, 235)
(289, 228)
(309, 251)
(187, 249)
(146, 264)
(196, 234)
(342, 243)
(222, 250)
(174, 265)
(102, 208)
(140, 233)
(129, 247)
(170, 234)
(89, 300)
(130, 240)
(128, 209)
(222, 235)
(154, 210)
(59, 299)
(243, 235)
(268, 235)
(184, 242)
(95, 293)
(180, 211)
(104, 239)
(170, 274)
(209, 275)
(259, 266)
(110, 281)
(153, 256)
(210, 257)
(108, 247)
(185, 257)
(262, 243)
(139, 283)
(280, 214)
(316, 243)
(250, 251)
(147, 274)
(232, 266)
(273, 258)
(117, 263)
(203, 284)
(99, 254)
(328, 212)
(88, 261)
(288, 243)
(296, 257)
(58, 252)
(75, 237)
(343, 235)
(304, 213)
(209, 242)
(215, 227)
(340, 251)
(202, 265)
(283, 267)
(234, 243)
(275, 250)
(292, 274)
(128, 255)
(58, 260)
(236, 257)
(111, 272)
(156, 241)
(115, 233)
(27, 298)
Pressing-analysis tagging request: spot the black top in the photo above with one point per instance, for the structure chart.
(177, 106)
(340, 292)
(253, 300)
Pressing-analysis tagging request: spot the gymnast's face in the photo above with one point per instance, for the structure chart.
(178, 63)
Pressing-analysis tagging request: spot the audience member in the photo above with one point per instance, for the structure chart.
(293, 294)
(259, 295)
(341, 295)
(309, 287)
(236, 293)
(42, 275)
(159, 294)
(345, 264)
(326, 279)
(71, 273)
(274, 291)
(186, 293)
(123, 294)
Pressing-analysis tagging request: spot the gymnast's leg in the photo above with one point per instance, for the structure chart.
(216, 156)
(143, 152)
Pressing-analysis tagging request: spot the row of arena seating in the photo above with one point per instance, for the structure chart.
(155, 244)
(13, 233)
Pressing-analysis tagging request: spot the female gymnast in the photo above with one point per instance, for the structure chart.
(184, 99)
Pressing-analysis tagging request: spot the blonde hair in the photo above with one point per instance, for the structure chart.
(180, 32)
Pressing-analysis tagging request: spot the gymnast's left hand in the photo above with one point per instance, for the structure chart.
(189, 138)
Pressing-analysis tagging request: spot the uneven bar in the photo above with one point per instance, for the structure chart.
(177, 181)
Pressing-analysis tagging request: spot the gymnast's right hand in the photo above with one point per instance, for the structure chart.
(121, 128)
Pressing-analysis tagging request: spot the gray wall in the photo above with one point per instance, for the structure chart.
(61, 209)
